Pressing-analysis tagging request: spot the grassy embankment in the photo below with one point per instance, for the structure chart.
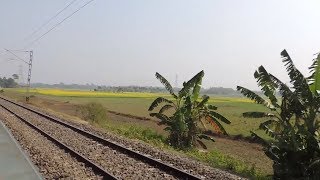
(238, 156)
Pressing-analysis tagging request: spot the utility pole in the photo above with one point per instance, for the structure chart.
(29, 65)
(29, 75)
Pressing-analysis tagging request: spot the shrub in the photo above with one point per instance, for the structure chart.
(293, 121)
(93, 112)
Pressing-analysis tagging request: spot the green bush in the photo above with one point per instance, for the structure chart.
(292, 120)
(93, 112)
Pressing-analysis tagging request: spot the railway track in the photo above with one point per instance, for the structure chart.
(94, 150)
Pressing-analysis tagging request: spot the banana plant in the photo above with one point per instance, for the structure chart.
(187, 111)
(292, 119)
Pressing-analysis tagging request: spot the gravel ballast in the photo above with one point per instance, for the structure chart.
(120, 165)
(112, 160)
(53, 162)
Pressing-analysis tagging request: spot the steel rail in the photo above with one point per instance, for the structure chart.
(154, 162)
(96, 168)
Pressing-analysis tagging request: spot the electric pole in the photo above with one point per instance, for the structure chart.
(29, 75)
(176, 81)
(29, 65)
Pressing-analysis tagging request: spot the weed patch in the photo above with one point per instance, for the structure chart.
(93, 112)
(217, 159)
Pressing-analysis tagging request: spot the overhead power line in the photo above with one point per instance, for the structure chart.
(16, 55)
(3, 53)
(49, 20)
(16, 50)
(69, 16)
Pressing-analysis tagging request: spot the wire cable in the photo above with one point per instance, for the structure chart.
(37, 39)
(3, 53)
(16, 56)
(49, 20)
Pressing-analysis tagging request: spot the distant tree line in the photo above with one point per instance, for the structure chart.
(130, 89)
(7, 82)
(212, 90)
(64, 86)
(219, 91)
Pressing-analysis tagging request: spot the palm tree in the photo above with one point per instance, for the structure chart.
(188, 112)
(293, 121)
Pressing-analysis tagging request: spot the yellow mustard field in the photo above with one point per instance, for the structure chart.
(86, 93)
(82, 93)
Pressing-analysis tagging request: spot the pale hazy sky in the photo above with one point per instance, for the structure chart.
(124, 42)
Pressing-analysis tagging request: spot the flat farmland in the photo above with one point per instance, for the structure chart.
(65, 102)
(138, 103)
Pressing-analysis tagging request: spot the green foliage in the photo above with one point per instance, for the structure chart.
(294, 126)
(15, 76)
(166, 84)
(189, 111)
(256, 114)
(93, 112)
(217, 159)
(157, 102)
(314, 79)
(7, 83)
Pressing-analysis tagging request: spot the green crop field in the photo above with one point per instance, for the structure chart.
(138, 103)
